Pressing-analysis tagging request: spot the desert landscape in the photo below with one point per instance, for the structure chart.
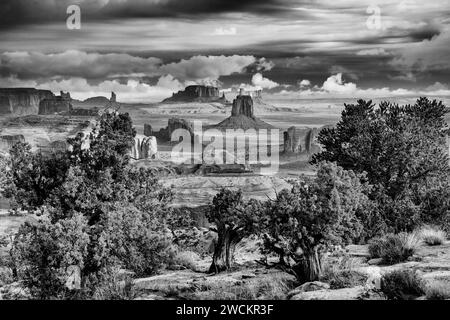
(249, 152)
(351, 272)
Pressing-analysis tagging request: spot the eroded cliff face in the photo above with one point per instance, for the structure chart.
(22, 101)
(243, 105)
(53, 105)
(301, 140)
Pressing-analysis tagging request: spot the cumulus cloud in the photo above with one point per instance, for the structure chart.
(335, 87)
(372, 52)
(225, 31)
(259, 81)
(304, 83)
(335, 84)
(207, 67)
(132, 91)
(74, 63)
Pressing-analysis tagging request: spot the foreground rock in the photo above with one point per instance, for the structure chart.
(339, 294)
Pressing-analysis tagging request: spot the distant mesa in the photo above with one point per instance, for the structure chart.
(30, 101)
(62, 103)
(101, 100)
(242, 116)
(197, 93)
(22, 101)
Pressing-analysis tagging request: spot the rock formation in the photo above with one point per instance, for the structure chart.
(301, 140)
(7, 141)
(148, 130)
(197, 93)
(242, 116)
(243, 105)
(113, 98)
(165, 134)
(62, 103)
(22, 101)
(144, 148)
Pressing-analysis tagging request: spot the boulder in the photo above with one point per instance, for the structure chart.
(375, 262)
(144, 147)
(22, 101)
(339, 294)
(309, 286)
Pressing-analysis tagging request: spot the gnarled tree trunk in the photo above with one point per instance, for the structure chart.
(310, 267)
(223, 256)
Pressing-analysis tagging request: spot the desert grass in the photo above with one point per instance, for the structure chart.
(402, 285)
(341, 272)
(273, 286)
(438, 291)
(432, 235)
(395, 248)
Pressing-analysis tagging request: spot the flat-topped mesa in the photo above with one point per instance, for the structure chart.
(62, 103)
(22, 101)
(243, 105)
(197, 93)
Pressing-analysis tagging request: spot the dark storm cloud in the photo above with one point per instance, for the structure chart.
(22, 12)
(170, 8)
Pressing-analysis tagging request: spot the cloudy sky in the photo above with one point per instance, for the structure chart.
(146, 49)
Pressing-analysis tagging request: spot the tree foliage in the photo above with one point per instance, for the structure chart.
(118, 210)
(234, 219)
(404, 153)
(304, 221)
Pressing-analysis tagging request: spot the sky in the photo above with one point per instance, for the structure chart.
(146, 49)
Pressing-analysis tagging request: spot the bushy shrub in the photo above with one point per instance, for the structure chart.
(403, 151)
(394, 248)
(98, 212)
(115, 286)
(186, 259)
(342, 274)
(43, 252)
(402, 285)
(234, 218)
(432, 236)
(301, 223)
(139, 241)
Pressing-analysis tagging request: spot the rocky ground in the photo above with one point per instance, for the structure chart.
(250, 280)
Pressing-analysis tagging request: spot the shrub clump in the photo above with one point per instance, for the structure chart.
(402, 285)
(438, 292)
(433, 236)
(394, 248)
